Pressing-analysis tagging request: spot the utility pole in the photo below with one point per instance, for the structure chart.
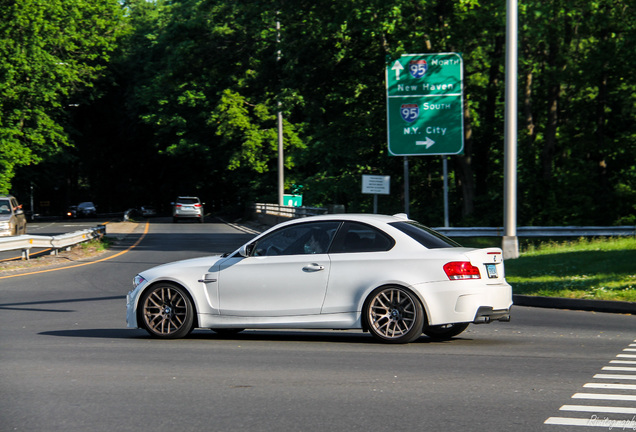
(281, 160)
(510, 242)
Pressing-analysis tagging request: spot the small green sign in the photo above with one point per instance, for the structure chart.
(293, 200)
(425, 113)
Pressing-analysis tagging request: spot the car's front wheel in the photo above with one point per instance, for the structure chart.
(167, 311)
(394, 315)
(444, 332)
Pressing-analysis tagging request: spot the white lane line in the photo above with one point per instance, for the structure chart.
(630, 349)
(620, 368)
(603, 396)
(626, 355)
(612, 376)
(598, 409)
(623, 362)
(610, 386)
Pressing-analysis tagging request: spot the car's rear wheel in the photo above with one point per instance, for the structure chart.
(394, 315)
(167, 312)
(444, 332)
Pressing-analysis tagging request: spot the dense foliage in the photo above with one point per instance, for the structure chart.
(50, 54)
(189, 103)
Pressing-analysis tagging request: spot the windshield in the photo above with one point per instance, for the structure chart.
(424, 235)
(5, 207)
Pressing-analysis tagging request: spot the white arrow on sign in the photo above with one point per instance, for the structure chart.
(428, 143)
(397, 67)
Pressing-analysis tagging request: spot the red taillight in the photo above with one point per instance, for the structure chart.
(458, 270)
(197, 205)
(177, 205)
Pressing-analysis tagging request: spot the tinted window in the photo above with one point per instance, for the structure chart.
(357, 237)
(5, 207)
(307, 238)
(182, 200)
(425, 236)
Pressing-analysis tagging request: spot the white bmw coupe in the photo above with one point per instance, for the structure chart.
(387, 275)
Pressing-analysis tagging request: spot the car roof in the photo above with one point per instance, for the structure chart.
(359, 217)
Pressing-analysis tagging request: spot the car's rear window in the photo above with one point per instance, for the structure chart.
(425, 236)
(182, 200)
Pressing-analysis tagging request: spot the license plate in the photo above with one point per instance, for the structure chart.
(492, 271)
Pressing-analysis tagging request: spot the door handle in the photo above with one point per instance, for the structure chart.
(313, 268)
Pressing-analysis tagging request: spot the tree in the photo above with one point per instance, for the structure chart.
(50, 53)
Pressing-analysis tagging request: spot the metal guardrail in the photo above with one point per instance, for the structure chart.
(27, 242)
(272, 214)
(287, 211)
(542, 231)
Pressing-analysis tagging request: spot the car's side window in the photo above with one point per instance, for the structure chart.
(357, 237)
(308, 238)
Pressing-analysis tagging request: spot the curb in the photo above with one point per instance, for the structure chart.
(622, 307)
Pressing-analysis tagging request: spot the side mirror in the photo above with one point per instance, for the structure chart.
(246, 250)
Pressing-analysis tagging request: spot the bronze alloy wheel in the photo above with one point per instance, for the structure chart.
(167, 312)
(394, 315)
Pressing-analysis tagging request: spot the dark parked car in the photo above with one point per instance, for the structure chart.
(86, 209)
(71, 212)
(148, 211)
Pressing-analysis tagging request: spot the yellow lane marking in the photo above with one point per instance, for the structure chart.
(146, 228)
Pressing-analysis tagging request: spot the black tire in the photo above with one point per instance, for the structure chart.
(166, 311)
(393, 314)
(445, 332)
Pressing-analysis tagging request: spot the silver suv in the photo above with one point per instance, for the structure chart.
(186, 207)
(12, 219)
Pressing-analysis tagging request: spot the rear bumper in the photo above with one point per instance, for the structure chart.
(449, 302)
(486, 314)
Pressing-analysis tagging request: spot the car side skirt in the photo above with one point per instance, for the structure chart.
(323, 321)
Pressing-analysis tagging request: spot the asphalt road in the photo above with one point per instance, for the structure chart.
(67, 363)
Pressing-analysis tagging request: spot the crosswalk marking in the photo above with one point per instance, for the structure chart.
(602, 415)
(603, 396)
(599, 409)
(619, 368)
(610, 386)
(606, 423)
(612, 376)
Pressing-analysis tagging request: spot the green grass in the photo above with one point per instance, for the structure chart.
(99, 244)
(599, 269)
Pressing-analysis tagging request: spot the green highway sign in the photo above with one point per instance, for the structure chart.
(425, 113)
